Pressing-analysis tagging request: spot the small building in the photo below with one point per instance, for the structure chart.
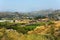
(6, 20)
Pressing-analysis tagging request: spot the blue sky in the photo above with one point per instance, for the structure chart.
(28, 5)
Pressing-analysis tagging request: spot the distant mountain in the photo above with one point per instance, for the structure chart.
(55, 15)
(11, 15)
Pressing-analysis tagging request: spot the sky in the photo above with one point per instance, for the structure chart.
(28, 5)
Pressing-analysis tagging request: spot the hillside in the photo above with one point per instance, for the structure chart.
(17, 15)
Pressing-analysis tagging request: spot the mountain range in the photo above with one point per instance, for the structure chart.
(12, 15)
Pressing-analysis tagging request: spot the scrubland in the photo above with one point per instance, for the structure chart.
(39, 31)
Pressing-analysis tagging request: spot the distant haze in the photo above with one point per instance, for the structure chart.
(28, 5)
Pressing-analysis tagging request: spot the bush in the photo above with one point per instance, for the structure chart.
(36, 37)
